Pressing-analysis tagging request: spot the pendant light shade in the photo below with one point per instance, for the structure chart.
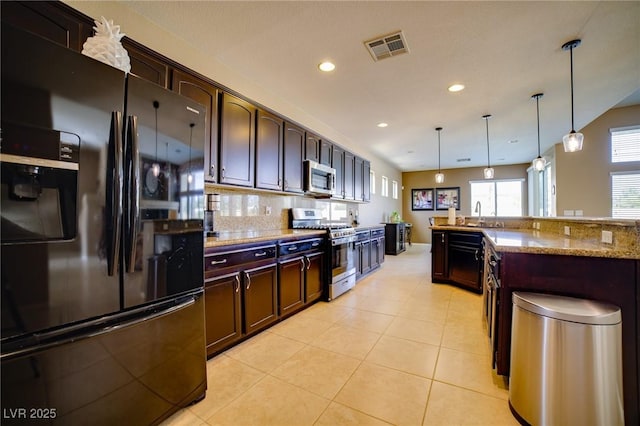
(573, 141)
(439, 175)
(488, 172)
(539, 163)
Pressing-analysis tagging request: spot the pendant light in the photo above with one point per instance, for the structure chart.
(573, 141)
(439, 175)
(539, 162)
(488, 171)
(156, 166)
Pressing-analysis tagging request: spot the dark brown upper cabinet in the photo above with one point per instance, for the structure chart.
(269, 154)
(205, 94)
(52, 20)
(366, 181)
(337, 162)
(312, 148)
(358, 187)
(237, 141)
(145, 64)
(326, 152)
(294, 146)
(349, 173)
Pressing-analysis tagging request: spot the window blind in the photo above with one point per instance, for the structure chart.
(625, 195)
(625, 145)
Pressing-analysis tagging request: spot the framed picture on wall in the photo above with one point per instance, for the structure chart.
(447, 197)
(422, 199)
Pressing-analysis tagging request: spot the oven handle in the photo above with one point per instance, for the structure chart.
(343, 240)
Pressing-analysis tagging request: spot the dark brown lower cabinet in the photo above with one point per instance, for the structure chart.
(260, 297)
(291, 284)
(314, 277)
(223, 319)
(301, 276)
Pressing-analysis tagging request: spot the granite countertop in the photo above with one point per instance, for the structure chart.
(241, 237)
(536, 242)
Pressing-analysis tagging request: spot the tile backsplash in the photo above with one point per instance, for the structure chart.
(245, 209)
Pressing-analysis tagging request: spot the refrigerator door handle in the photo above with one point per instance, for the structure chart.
(58, 338)
(114, 193)
(134, 191)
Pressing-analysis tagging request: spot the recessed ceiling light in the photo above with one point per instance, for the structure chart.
(382, 124)
(456, 87)
(327, 66)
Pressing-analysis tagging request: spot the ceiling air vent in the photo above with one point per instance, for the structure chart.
(387, 46)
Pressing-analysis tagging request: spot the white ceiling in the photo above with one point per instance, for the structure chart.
(502, 51)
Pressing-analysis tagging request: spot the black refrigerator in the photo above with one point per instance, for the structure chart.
(102, 201)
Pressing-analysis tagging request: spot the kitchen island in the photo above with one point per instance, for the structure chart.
(578, 265)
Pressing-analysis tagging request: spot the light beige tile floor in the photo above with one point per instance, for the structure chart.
(397, 350)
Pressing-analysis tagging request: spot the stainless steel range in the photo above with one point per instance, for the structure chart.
(341, 236)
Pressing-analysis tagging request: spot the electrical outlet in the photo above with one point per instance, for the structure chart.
(267, 210)
(607, 237)
(567, 231)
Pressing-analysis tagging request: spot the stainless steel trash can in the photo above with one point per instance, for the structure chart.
(566, 361)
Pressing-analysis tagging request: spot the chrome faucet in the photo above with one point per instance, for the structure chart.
(479, 211)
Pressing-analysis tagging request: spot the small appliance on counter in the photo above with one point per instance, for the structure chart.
(213, 205)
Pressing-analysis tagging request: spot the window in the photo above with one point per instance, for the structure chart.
(372, 181)
(625, 144)
(625, 195)
(191, 198)
(497, 197)
(394, 189)
(384, 187)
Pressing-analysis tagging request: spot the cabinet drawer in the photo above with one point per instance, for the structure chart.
(378, 232)
(285, 249)
(465, 238)
(363, 235)
(218, 261)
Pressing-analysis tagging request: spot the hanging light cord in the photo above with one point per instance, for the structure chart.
(486, 119)
(439, 129)
(538, 116)
(156, 105)
(571, 56)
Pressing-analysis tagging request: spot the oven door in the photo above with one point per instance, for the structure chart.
(342, 263)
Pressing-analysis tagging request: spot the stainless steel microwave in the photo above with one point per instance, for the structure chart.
(319, 179)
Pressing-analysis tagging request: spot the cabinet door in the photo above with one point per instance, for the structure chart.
(375, 253)
(54, 21)
(294, 143)
(237, 141)
(358, 183)
(269, 140)
(205, 94)
(465, 266)
(357, 258)
(314, 276)
(260, 297)
(349, 170)
(337, 162)
(439, 266)
(381, 250)
(312, 148)
(326, 151)
(366, 257)
(145, 64)
(291, 294)
(222, 312)
(366, 181)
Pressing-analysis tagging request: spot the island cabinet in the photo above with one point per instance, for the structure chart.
(241, 289)
(237, 141)
(465, 260)
(269, 154)
(439, 256)
(294, 147)
(208, 95)
(300, 267)
(394, 238)
(610, 280)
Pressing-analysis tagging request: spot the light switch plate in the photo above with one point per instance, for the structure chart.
(567, 230)
(607, 237)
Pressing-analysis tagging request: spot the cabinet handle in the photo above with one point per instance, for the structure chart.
(237, 278)
(292, 248)
(213, 169)
(286, 184)
(262, 253)
(308, 263)
(217, 262)
(316, 244)
(475, 254)
(442, 236)
(246, 274)
(303, 265)
(223, 173)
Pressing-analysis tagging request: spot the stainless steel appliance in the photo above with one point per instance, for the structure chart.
(319, 179)
(101, 240)
(491, 288)
(341, 236)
